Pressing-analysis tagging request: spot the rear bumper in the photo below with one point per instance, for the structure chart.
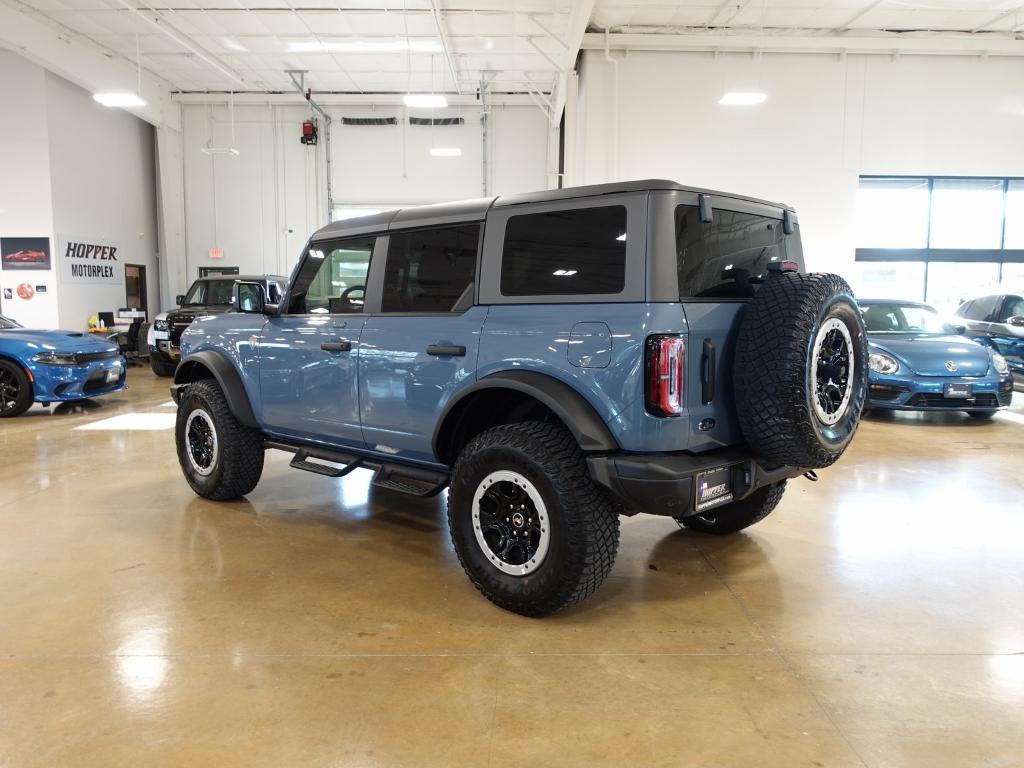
(665, 483)
(165, 350)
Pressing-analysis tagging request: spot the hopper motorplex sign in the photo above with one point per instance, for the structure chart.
(90, 260)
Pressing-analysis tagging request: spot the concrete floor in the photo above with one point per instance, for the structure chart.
(875, 619)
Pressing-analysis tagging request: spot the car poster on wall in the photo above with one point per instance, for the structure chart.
(24, 253)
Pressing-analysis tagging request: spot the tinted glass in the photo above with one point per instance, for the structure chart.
(905, 318)
(333, 278)
(728, 257)
(979, 309)
(565, 253)
(7, 324)
(1013, 307)
(429, 270)
(210, 293)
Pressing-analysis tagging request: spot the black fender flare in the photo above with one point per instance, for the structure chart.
(226, 375)
(578, 415)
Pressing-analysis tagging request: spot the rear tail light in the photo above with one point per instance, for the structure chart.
(665, 375)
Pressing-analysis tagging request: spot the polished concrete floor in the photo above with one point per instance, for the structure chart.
(875, 619)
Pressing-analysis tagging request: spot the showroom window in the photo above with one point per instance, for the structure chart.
(430, 270)
(333, 278)
(939, 239)
(728, 257)
(574, 252)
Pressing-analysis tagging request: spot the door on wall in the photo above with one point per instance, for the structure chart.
(135, 286)
(215, 271)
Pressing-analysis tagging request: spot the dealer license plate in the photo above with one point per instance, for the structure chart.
(957, 390)
(113, 374)
(713, 487)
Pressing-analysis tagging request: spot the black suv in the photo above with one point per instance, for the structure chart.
(207, 296)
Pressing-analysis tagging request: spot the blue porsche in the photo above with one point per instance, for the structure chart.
(53, 366)
(918, 362)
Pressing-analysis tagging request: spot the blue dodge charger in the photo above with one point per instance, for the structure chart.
(918, 362)
(52, 366)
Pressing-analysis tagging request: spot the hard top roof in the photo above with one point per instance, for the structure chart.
(476, 209)
(247, 278)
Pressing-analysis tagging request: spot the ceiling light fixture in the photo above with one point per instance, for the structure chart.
(430, 100)
(446, 151)
(119, 99)
(742, 98)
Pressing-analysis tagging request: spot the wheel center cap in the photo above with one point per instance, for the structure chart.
(518, 520)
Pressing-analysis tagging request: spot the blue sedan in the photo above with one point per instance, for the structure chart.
(918, 362)
(53, 366)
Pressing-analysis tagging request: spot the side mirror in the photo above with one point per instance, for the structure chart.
(179, 299)
(788, 222)
(1017, 321)
(249, 298)
(961, 330)
(704, 209)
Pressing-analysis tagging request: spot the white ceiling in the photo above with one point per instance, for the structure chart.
(373, 46)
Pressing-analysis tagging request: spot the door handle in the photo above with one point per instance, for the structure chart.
(336, 346)
(451, 350)
(708, 368)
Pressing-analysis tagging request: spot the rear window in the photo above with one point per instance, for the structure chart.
(429, 270)
(729, 257)
(580, 251)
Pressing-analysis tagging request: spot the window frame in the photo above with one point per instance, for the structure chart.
(634, 287)
(332, 243)
(374, 301)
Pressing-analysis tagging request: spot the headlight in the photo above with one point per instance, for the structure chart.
(161, 325)
(55, 358)
(879, 362)
(999, 363)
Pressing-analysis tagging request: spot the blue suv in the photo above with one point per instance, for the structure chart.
(555, 359)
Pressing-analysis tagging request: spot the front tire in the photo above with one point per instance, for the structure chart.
(161, 367)
(15, 390)
(220, 457)
(734, 517)
(531, 529)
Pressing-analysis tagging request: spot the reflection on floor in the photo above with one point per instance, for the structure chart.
(874, 620)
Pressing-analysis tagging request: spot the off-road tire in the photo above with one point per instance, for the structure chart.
(160, 367)
(774, 374)
(238, 462)
(981, 415)
(730, 518)
(584, 520)
(22, 400)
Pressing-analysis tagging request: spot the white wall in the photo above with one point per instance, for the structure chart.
(261, 206)
(826, 122)
(102, 175)
(25, 209)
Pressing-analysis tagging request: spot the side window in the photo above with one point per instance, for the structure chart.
(982, 309)
(1013, 306)
(429, 270)
(729, 257)
(333, 278)
(580, 251)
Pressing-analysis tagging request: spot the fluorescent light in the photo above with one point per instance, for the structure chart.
(564, 272)
(446, 151)
(621, 238)
(119, 99)
(220, 151)
(363, 46)
(233, 45)
(742, 98)
(425, 100)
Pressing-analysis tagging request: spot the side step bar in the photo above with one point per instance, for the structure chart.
(395, 477)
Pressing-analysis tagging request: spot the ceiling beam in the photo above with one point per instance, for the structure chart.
(579, 17)
(925, 45)
(999, 17)
(435, 11)
(523, 99)
(83, 61)
(857, 16)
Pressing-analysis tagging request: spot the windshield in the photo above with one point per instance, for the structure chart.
(904, 318)
(6, 323)
(208, 293)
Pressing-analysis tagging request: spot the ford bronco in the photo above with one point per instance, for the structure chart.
(555, 360)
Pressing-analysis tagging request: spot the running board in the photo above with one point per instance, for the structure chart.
(394, 477)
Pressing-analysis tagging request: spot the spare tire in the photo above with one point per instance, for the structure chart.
(800, 374)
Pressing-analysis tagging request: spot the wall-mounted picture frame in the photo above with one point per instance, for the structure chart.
(24, 253)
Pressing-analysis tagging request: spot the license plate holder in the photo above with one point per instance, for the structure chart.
(957, 390)
(712, 487)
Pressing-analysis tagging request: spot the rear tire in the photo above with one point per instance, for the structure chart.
(161, 368)
(15, 390)
(570, 529)
(981, 415)
(221, 457)
(730, 518)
